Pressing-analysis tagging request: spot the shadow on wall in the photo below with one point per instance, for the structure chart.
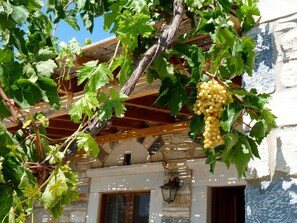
(273, 200)
(266, 54)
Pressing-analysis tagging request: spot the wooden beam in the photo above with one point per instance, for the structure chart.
(63, 125)
(151, 131)
(111, 130)
(148, 103)
(124, 123)
(148, 115)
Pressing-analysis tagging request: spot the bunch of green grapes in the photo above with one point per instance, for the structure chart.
(211, 99)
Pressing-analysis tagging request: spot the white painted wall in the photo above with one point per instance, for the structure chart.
(138, 153)
(202, 181)
(127, 178)
(275, 9)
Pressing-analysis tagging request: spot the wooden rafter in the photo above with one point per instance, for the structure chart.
(151, 131)
(148, 115)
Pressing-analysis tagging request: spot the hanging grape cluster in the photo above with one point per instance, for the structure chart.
(211, 100)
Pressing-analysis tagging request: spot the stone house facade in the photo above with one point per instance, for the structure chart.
(270, 187)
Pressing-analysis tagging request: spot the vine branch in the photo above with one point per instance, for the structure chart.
(9, 103)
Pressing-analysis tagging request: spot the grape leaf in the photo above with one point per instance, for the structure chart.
(246, 14)
(46, 68)
(87, 104)
(45, 54)
(237, 151)
(137, 6)
(229, 116)
(131, 26)
(6, 198)
(125, 62)
(258, 131)
(60, 191)
(70, 17)
(241, 155)
(178, 99)
(211, 159)
(269, 118)
(97, 75)
(4, 111)
(9, 69)
(1, 174)
(27, 93)
(54, 190)
(54, 155)
(31, 190)
(162, 67)
(19, 14)
(196, 126)
(49, 92)
(117, 98)
(248, 54)
(173, 93)
(193, 55)
(112, 103)
(86, 142)
(230, 139)
(254, 147)
(112, 16)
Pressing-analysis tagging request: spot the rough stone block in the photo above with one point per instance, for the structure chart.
(285, 27)
(289, 41)
(148, 141)
(288, 75)
(275, 202)
(82, 166)
(183, 200)
(64, 218)
(97, 163)
(182, 221)
(259, 168)
(175, 220)
(286, 154)
(284, 106)
(263, 72)
(107, 148)
(41, 216)
(77, 216)
(167, 220)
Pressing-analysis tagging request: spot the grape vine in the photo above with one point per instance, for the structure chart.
(34, 169)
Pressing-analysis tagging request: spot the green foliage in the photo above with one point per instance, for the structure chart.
(112, 104)
(87, 104)
(60, 190)
(173, 93)
(29, 56)
(86, 141)
(97, 76)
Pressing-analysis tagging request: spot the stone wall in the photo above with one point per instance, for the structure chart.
(178, 211)
(271, 192)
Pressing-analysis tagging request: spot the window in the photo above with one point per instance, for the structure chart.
(125, 207)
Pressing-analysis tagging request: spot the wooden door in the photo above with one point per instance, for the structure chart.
(227, 205)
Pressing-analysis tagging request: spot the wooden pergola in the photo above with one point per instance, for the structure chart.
(142, 117)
